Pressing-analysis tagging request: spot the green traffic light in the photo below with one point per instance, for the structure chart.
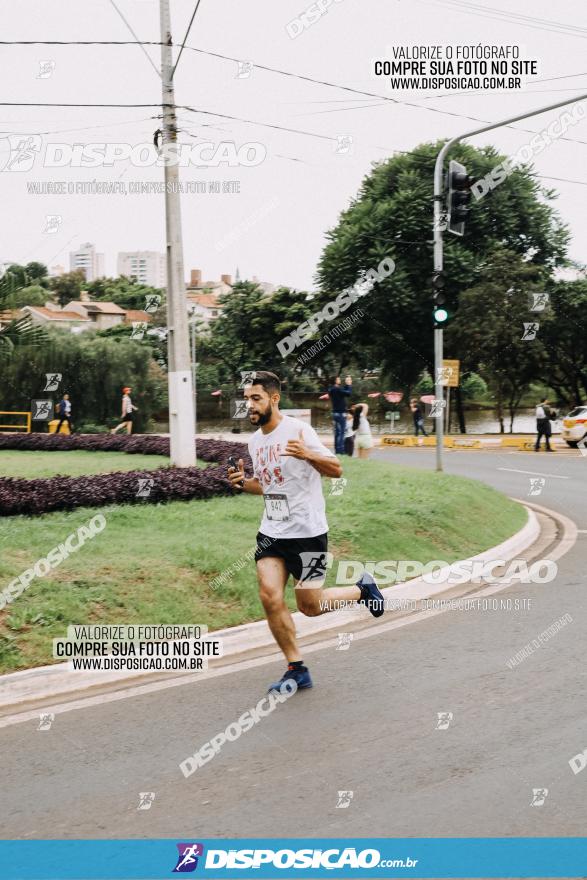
(440, 315)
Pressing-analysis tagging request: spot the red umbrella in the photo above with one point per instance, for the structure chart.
(393, 396)
(323, 397)
(216, 393)
(374, 394)
(428, 398)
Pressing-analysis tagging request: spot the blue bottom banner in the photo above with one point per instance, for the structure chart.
(307, 857)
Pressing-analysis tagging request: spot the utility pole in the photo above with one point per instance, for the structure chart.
(438, 243)
(181, 397)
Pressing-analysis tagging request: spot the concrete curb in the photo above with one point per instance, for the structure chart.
(54, 681)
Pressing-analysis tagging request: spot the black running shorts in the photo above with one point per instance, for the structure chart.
(305, 558)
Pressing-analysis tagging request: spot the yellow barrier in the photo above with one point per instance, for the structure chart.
(397, 440)
(53, 427)
(467, 444)
(408, 440)
(26, 427)
(517, 442)
(431, 441)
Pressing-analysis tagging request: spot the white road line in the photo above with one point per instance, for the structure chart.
(535, 473)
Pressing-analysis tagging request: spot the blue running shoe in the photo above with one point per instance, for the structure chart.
(371, 595)
(299, 674)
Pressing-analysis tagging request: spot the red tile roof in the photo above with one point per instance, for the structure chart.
(62, 315)
(137, 315)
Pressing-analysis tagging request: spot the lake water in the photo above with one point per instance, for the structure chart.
(478, 422)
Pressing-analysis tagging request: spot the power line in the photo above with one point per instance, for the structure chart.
(324, 137)
(148, 57)
(514, 18)
(79, 43)
(562, 179)
(185, 38)
(382, 98)
(565, 76)
(57, 104)
(82, 128)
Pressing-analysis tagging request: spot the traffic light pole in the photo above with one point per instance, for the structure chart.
(181, 401)
(438, 244)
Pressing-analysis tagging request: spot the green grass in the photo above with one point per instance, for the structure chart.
(74, 463)
(154, 563)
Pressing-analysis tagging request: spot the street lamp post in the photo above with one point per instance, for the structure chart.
(438, 244)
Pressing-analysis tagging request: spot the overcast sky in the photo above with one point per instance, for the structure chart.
(275, 227)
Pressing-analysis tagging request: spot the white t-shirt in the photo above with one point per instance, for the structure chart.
(127, 406)
(296, 479)
(364, 426)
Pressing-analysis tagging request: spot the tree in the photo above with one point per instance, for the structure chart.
(37, 272)
(94, 371)
(67, 287)
(495, 322)
(565, 340)
(245, 335)
(392, 216)
(125, 292)
(35, 295)
(20, 332)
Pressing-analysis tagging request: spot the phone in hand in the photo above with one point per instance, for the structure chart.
(232, 463)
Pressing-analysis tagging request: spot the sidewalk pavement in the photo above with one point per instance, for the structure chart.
(524, 442)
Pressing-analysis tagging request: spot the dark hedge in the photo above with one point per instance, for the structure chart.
(20, 496)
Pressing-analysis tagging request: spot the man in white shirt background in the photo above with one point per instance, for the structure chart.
(288, 462)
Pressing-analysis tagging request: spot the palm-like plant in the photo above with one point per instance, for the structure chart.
(19, 331)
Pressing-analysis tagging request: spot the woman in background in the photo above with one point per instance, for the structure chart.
(128, 409)
(362, 430)
(349, 434)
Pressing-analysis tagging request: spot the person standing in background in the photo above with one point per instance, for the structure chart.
(128, 408)
(339, 396)
(349, 434)
(418, 417)
(64, 411)
(543, 427)
(362, 430)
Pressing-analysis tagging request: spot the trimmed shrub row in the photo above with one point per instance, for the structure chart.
(34, 497)
(143, 444)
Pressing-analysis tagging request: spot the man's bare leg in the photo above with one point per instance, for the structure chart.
(272, 576)
(313, 601)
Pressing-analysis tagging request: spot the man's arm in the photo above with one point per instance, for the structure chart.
(250, 484)
(326, 465)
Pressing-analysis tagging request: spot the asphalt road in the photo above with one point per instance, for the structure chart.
(368, 727)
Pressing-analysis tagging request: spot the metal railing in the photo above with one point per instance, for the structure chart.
(26, 427)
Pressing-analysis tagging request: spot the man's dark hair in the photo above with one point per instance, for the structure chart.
(269, 381)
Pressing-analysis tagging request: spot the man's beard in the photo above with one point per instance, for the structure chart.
(263, 418)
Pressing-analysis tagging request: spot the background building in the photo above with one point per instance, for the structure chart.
(196, 285)
(204, 306)
(86, 259)
(148, 267)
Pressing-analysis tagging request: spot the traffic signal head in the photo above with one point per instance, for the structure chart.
(440, 313)
(459, 196)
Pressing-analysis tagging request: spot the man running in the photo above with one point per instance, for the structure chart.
(288, 461)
